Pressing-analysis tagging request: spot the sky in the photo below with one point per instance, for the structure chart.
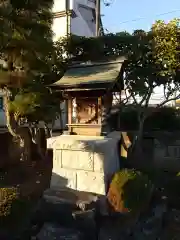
(119, 15)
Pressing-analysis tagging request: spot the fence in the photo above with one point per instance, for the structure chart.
(160, 150)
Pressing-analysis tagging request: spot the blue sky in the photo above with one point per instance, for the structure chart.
(127, 10)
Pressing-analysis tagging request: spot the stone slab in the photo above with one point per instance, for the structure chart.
(98, 162)
(87, 162)
(64, 178)
(57, 158)
(77, 160)
(72, 142)
(91, 182)
(51, 231)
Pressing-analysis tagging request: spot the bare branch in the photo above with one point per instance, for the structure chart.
(127, 98)
(144, 98)
(134, 99)
(126, 92)
(168, 100)
(149, 95)
(116, 98)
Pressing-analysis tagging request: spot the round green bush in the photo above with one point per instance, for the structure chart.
(129, 191)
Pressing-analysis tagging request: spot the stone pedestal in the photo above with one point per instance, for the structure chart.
(84, 163)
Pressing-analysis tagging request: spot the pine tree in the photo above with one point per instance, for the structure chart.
(26, 50)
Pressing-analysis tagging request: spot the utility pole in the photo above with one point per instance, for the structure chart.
(67, 17)
(98, 17)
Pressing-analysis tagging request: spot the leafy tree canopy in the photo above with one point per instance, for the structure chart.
(29, 64)
(27, 47)
(153, 57)
(153, 60)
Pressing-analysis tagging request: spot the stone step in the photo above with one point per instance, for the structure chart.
(75, 199)
(53, 231)
(60, 221)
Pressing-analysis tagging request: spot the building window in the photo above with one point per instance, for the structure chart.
(1, 103)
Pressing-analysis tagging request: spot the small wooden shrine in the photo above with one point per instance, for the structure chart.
(88, 88)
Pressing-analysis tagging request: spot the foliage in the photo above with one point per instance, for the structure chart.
(152, 61)
(172, 186)
(8, 196)
(129, 191)
(28, 30)
(28, 47)
(144, 68)
(166, 38)
(30, 104)
(27, 50)
(153, 122)
(165, 118)
(24, 104)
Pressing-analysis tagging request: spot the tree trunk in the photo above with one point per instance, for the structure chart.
(39, 138)
(25, 143)
(47, 131)
(10, 121)
(60, 118)
(20, 135)
(136, 146)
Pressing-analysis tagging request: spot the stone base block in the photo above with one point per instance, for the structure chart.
(84, 163)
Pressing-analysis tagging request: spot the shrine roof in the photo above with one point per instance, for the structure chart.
(91, 75)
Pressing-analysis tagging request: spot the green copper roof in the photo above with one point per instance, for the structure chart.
(92, 73)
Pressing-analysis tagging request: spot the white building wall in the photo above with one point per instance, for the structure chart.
(2, 118)
(82, 30)
(60, 5)
(89, 3)
(156, 98)
(59, 27)
(82, 24)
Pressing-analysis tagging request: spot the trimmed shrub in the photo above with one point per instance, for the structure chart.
(129, 191)
(7, 197)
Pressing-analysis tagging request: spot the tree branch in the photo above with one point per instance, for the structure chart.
(168, 100)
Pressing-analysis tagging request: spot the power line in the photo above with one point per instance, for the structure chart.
(137, 19)
(161, 14)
